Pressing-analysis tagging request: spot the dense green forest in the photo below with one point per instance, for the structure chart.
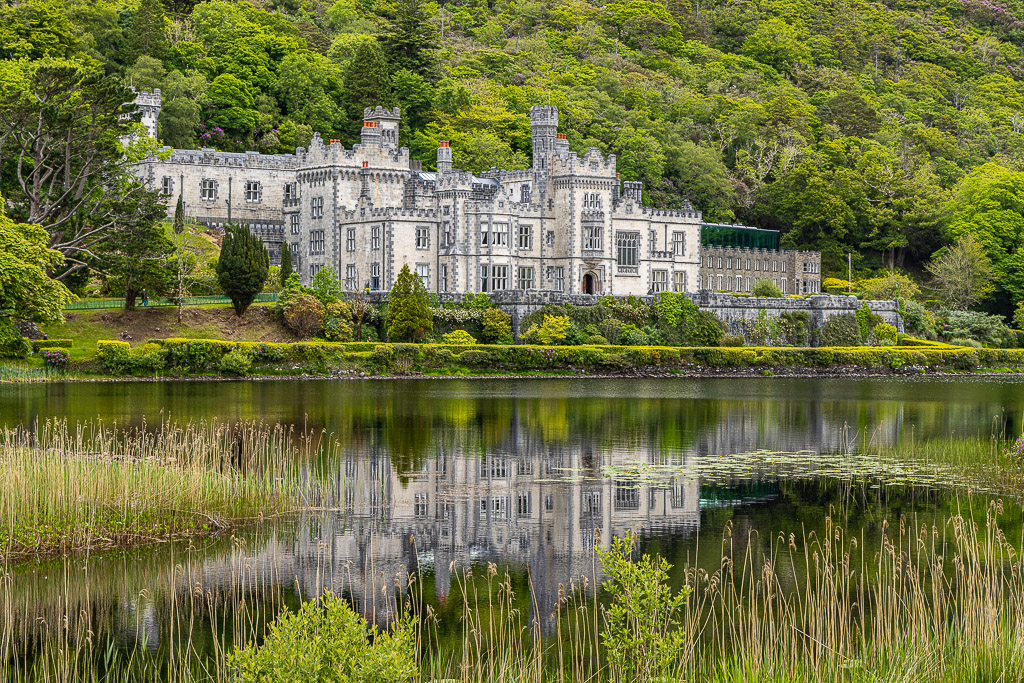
(884, 129)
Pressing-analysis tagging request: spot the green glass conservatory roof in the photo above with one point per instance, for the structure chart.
(725, 235)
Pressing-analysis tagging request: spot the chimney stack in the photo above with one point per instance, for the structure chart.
(444, 157)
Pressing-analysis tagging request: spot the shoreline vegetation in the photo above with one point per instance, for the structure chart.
(939, 603)
(208, 358)
(93, 486)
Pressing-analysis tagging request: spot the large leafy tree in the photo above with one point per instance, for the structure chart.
(25, 261)
(62, 161)
(243, 266)
(286, 263)
(137, 254)
(409, 317)
(962, 273)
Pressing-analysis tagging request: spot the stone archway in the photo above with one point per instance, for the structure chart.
(589, 284)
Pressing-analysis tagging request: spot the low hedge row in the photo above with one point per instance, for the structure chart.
(52, 344)
(181, 356)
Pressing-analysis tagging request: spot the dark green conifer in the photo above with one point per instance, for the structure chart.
(367, 81)
(242, 267)
(286, 263)
(179, 217)
(148, 32)
(409, 316)
(408, 41)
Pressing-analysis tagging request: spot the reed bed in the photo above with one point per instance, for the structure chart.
(937, 603)
(93, 485)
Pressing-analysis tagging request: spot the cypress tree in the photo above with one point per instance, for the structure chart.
(242, 267)
(179, 217)
(409, 316)
(286, 263)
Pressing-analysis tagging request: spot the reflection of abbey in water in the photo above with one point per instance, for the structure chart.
(541, 512)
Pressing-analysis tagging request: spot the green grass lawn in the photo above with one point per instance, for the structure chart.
(200, 322)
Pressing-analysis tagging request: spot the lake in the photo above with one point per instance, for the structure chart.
(442, 477)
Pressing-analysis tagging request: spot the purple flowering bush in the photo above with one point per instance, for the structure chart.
(55, 358)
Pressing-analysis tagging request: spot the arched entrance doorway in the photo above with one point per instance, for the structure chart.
(588, 284)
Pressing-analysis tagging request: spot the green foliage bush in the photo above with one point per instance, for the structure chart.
(12, 344)
(235, 362)
(886, 333)
(553, 330)
(38, 344)
(731, 340)
(766, 288)
(115, 356)
(631, 336)
(409, 316)
(986, 328)
(458, 337)
(597, 340)
(643, 633)
(325, 642)
(840, 330)
(337, 322)
(326, 286)
(304, 314)
(243, 266)
(497, 327)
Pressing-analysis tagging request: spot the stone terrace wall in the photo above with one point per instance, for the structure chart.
(733, 310)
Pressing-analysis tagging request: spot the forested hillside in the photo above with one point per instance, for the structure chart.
(886, 129)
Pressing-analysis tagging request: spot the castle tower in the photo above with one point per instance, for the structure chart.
(544, 126)
(386, 122)
(370, 134)
(444, 157)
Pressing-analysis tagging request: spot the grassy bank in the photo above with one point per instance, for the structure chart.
(68, 488)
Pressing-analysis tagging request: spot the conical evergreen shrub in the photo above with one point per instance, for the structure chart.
(242, 267)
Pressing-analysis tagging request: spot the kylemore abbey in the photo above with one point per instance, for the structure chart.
(568, 224)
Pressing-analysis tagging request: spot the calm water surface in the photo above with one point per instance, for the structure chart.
(443, 476)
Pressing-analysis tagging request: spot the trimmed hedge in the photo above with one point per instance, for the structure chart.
(52, 344)
(205, 355)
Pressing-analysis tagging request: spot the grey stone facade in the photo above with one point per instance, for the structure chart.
(566, 225)
(737, 269)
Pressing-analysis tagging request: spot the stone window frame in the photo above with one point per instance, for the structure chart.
(446, 233)
(294, 219)
(316, 207)
(167, 185)
(422, 237)
(375, 233)
(593, 237)
(317, 242)
(423, 272)
(524, 237)
(678, 243)
(550, 238)
(679, 281)
(209, 188)
(351, 276)
(444, 277)
(375, 276)
(350, 239)
(524, 277)
(499, 276)
(314, 268)
(253, 191)
(499, 234)
(291, 191)
(627, 249)
(556, 276)
(524, 193)
(659, 280)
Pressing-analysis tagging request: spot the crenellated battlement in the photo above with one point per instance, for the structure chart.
(206, 156)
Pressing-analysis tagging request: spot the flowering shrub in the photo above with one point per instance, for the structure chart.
(55, 358)
(458, 338)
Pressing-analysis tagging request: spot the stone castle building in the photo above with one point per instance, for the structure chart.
(566, 225)
(735, 257)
